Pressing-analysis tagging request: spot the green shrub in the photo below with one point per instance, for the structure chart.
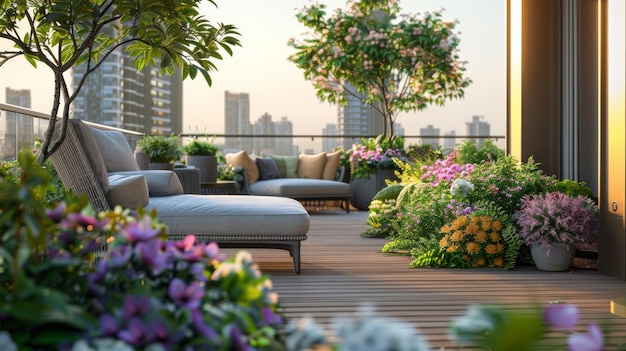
(469, 152)
(161, 149)
(571, 188)
(200, 148)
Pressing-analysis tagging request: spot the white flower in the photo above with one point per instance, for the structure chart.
(6, 343)
(461, 187)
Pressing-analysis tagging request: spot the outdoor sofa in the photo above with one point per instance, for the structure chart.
(301, 177)
(101, 164)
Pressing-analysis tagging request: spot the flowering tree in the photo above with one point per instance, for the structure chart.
(394, 62)
(61, 34)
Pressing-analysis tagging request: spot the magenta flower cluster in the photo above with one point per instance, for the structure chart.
(555, 217)
(366, 160)
(445, 171)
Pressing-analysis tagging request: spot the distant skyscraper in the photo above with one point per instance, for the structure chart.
(118, 95)
(431, 132)
(328, 144)
(398, 129)
(284, 146)
(237, 120)
(448, 143)
(16, 130)
(478, 127)
(273, 145)
(357, 118)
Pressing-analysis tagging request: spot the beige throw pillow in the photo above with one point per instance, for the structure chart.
(242, 159)
(332, 163)
(311, 166)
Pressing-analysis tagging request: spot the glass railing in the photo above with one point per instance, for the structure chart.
(20, 126)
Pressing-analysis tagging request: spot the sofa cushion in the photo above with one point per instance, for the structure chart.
(160, 183)
(294, 187)
(242, 159)
(311, 166)
(267, 168)
(128, 191)
(331, 165)
(245, 217)
(287, 165)
(92, 151)
(115, 150)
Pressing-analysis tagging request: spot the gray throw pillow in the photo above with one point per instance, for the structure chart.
(115, 150)
(267, 168)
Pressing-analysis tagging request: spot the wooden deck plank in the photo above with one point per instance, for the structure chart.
(342, 272)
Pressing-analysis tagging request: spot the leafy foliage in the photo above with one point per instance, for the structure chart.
(62, 34)
(200, 148)
(391, 61)
(160, 149)
(469, 152)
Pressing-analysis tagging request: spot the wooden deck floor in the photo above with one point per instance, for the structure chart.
(342, 271)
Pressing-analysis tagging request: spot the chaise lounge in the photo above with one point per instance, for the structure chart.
(101, 164)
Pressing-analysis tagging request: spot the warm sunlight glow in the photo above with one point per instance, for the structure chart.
(514, 140)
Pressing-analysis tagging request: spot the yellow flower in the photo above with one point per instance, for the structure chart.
(480, 237)
(480, 262)
(500, 247)
(491, 249)
(496, 225)
(498, 262)
(452, 248)
(460, 222)
(486, 223)
(472, 228)
(456, 236)
(443, 242)
(472, 248)
(495, 237)
(445, 229)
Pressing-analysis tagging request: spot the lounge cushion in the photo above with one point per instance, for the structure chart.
(287, 165)
(92, 151)
(128, 191)
(294, 187)
(311, 166)
(115, 150)
(232, 215)
(160, 183)
(248, 163)
(331, 165)
(267, 168)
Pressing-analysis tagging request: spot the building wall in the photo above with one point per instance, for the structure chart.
(237, 120)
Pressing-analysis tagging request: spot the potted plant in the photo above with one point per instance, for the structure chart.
(161, 150)
(552, 224)
(202, 155)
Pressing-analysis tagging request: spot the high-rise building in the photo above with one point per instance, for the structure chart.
(430, 135)
(450, 141)
(237, 120)
(16, 131)
(284, 145)
(328, 144)
(263, 126)
(357, 118)
(118, 95)
(478, 127)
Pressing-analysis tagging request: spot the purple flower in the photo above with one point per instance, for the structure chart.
(108, 325)
(57, 213)
(202, 328)
(136, 306)
(151, 255)
(119, 255)
(237, 340)
(84, 220)
(561, 316)
(593, 340)
(186, 296)
(140, 231)
(137, 333)
(270, 317)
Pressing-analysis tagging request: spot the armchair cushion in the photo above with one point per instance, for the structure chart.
(287, 165)
(331, 165)
(242, 159)
(128, 191)
(115, 150)
(267, 168)
(160, 183)
(311, 166)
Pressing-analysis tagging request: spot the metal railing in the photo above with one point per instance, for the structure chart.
(20, 126)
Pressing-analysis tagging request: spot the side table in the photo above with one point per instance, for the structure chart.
(224, 187)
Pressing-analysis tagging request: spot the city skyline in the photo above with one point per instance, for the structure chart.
(277, 87)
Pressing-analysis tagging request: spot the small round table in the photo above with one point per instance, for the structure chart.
(223, 187)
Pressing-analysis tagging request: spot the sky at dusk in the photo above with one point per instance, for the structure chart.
(277, 86)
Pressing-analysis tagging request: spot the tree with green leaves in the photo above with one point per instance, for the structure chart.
(62, 34)
(391, 61)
